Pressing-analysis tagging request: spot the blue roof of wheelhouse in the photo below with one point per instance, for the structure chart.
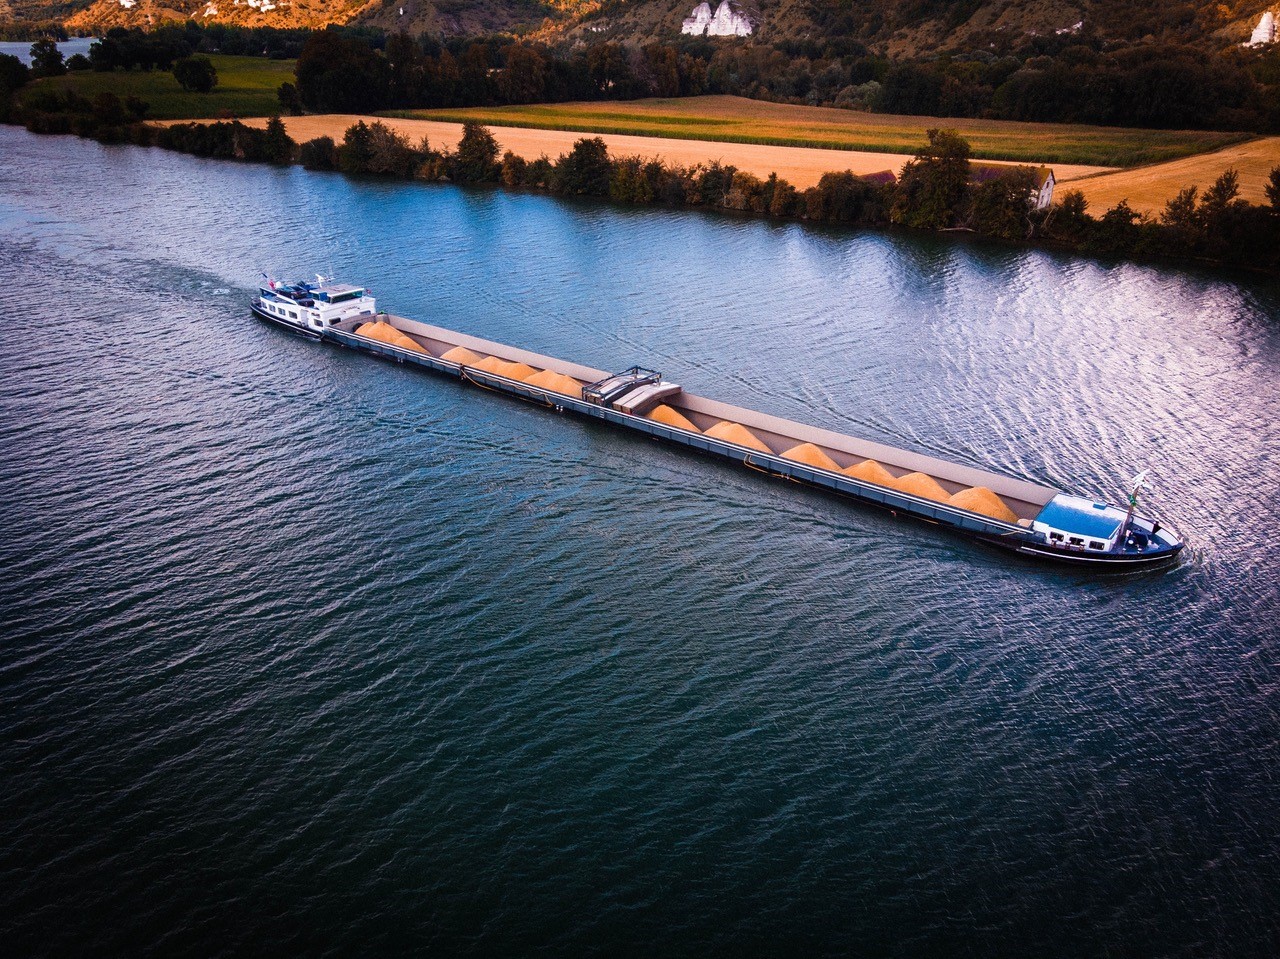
(1080, 517)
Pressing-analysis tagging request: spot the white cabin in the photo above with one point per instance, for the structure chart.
(310, 307)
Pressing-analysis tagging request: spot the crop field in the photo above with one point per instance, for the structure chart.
(738, 120)
(1147, 189)
(246, 88)
(801, 166)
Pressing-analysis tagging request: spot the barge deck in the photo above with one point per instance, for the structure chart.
(1000, 510)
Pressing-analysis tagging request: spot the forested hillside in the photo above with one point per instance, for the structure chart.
(894, 28)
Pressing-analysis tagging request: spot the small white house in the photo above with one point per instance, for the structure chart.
(1044, 176)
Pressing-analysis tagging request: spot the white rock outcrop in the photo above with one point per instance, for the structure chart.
(725, 22)
(1264, 32)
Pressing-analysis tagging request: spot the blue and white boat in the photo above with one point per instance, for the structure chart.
(1028, 518)
(309, 308)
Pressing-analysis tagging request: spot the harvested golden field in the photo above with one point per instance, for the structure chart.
(1149, 188)
(801, 166)
(739, 120)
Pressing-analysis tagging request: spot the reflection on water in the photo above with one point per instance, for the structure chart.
(313, 652)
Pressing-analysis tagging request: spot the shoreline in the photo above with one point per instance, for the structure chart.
(842, 199)
(802, 167)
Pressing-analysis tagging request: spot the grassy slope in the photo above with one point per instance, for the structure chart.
(246, 88)
(737, 120)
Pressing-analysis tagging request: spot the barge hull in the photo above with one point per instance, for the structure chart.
(993, 532)
(284, 324)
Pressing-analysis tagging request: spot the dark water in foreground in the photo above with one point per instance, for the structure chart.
(304, 652)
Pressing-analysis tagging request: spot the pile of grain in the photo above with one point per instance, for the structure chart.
(512, 371)
(556, 382)
(811, 455)
(737, 433)
(519, 371)
(671, 417)
(460, 354)
(869, 471)
(922, 485)
(386, 333)
(979, 499)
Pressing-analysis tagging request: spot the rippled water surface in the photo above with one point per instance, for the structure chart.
(304, 652)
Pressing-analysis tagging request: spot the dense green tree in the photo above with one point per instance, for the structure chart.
(846, 198)
(477, 158)
(290, 102)
(585, 170)
(1182, 221)
(390, 154)
(13, 74)
(278, 147)
(356, 151)
(933, 186)
(340, 75)
(1117, 232)
(1001, 206)
(912, 89)
(524, 78)
(46, 59)
(319, 154)
(513, 170)
(628, 182)
(1069, 220)
(610, 71)
(1273, 189)
(195, 73)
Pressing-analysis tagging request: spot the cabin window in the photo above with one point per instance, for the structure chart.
(1057, 536)
(293, 315)
(1094, 544)
(1076, 541)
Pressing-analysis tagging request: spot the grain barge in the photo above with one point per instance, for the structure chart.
(1034, 520)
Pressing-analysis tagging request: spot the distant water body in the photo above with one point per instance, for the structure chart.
(68, 48)
(308, 653)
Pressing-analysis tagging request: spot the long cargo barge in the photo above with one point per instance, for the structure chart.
(1030, 519)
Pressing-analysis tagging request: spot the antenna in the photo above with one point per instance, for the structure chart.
(1135, 484)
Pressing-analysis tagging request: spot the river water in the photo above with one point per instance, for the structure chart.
(307, 652)
(68, 48)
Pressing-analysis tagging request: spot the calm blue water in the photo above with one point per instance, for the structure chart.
(303, 652)
(68, 48)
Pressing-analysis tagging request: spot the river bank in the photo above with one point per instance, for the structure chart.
(803, 167)
(936, 191)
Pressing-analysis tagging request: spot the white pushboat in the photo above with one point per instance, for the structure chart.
(309, 308)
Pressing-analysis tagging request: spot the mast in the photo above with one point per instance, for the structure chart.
(1134, 485)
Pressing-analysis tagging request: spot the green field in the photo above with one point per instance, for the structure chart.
(737, 120)
(246, 88)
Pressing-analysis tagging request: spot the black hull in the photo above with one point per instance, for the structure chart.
(284, 324)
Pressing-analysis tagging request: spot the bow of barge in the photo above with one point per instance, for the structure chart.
(1036, 521)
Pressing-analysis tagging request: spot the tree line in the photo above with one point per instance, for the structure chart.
(937, 189)
(1077, 79)
(1074, 78)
